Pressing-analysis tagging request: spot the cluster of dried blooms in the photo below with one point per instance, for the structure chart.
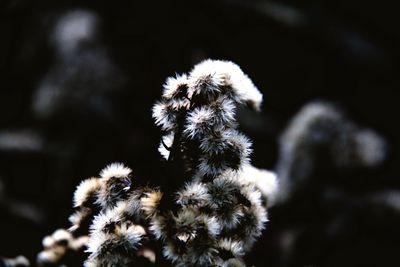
(219, 213)
(214, 207)
(111, 210)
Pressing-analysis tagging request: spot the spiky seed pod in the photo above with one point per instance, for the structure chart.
(79, 218)
(160, 225)
(224, 112)
(198, 122)
(86, 191)
(106, 221)
(225, 202)
(133, 208)
(194, 194)
(190, 237)
(113, 239)
(265, 181)
(165, 116)
(103, 192)
(233, 82)
(116, 170)
(84, 200)
(175, 88)
(230, 246)
(204, 87)
(116, 183)
(119, 234)
(231, 150)
(208, 120)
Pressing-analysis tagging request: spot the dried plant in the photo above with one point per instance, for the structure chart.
(212, 207)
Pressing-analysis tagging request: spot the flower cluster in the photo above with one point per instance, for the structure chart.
(118, 233)
(214, 208)
(220, 212)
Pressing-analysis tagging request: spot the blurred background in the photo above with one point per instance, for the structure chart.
(78, 80)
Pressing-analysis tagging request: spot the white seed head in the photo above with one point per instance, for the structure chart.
(96, 240)
(213, 226)
(266, 181)
(164, 116)
(204, 80)
(193, 194)
(229, 74)
(130, 235)
(111, 215)
(169, 252)
(78, 217)
(235, 247)
(85, 191)
(174, 85)
(157, 227)
(230, 150)
(115, 170)
(199, 122)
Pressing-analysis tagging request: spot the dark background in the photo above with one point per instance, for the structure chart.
(64, 114)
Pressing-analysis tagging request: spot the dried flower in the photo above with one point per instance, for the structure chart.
(211, 213)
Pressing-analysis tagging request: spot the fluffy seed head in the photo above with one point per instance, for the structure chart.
(115, 170)
(193, 194)
(116, 185)
(78, 217)
(198, 122)
(150, 202)
(176, 87)
(85, 192)
(205, 84)
(232, 78)
(265, 181)
(165, 115)
(235, 247)
(230, 150)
